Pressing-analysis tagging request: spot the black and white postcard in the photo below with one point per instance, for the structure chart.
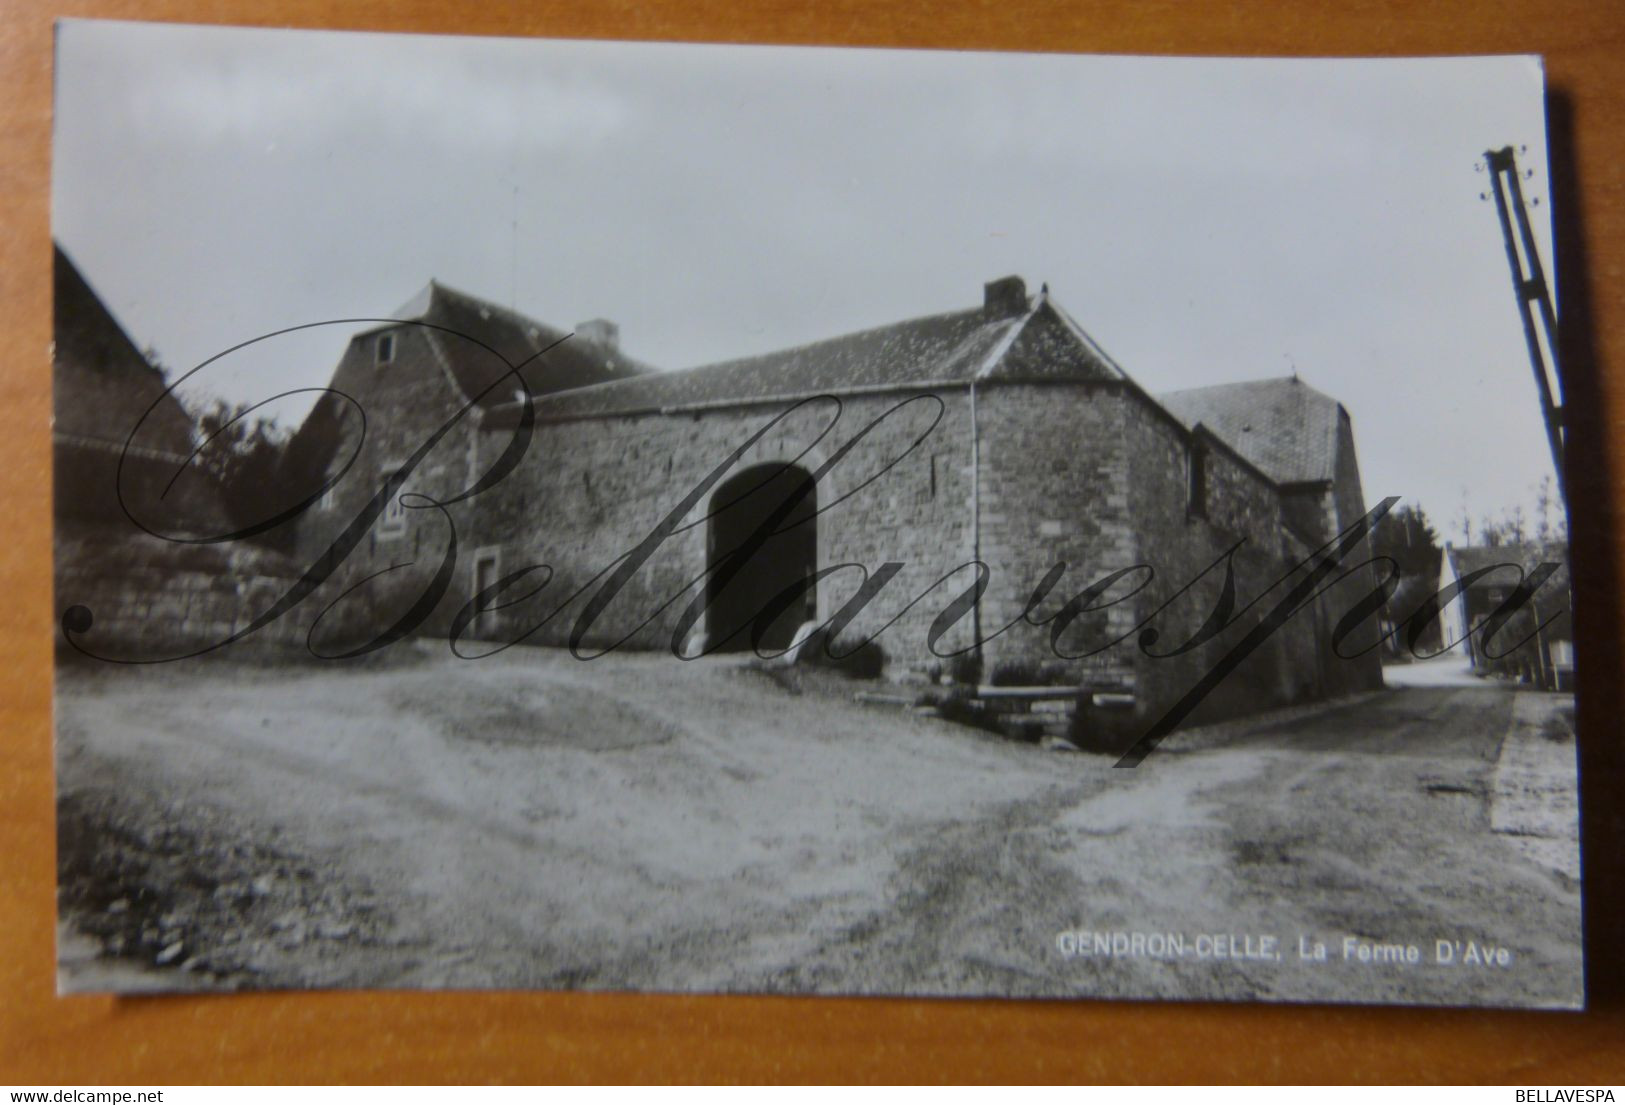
(587, 515)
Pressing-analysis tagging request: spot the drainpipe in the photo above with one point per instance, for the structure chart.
(975, 507)
(999, 297)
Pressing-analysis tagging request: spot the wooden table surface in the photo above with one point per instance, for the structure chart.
(510, 1037)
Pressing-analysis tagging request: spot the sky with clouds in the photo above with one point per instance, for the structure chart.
(1206, 221)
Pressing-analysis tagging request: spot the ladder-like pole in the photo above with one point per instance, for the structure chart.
(1529, 285)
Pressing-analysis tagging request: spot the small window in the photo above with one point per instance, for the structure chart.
(386, 348)
(1196, 492)
(393, 522)
(487, 564)
(937, 461)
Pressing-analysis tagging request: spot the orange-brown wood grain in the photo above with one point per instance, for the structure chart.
(507, 1037)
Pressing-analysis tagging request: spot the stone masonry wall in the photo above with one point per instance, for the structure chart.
(593, 489)
(1093, 478)
(405, 401)
(150, 600)
(1054, 490)
(1182, 540)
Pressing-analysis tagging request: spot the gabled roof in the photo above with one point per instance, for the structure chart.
(102, 382)
(464, 331)
(1284, 426)
(1467, 559)
(1038, 342)
(577, 362)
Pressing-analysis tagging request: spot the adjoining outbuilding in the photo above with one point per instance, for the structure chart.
(1534, 643)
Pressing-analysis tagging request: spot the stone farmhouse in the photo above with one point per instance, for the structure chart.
(859, 479)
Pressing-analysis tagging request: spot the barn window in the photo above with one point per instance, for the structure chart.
(1196, 491)
(393, 522)
(386, 348)
(487, 565)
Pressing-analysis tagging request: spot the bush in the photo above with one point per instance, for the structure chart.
(360, 616)
(856, 660)
(1103, 729)
(962, 709)
(966, 668)
(1028, 673)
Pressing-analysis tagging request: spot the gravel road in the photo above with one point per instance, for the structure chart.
(633, 822)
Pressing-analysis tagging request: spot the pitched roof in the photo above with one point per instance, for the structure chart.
(470, 327)
(989, 342)
(103, 383)
(1472, 558)
(1284, 426)
(463, 331)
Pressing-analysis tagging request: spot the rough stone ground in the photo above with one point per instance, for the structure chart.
(529, 820)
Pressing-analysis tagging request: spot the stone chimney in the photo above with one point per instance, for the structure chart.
(600, 331)
(1004, 298)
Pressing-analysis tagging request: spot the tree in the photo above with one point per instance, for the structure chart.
(1406, 537)
(1551, 523)
(1510, 529)
(244, 455)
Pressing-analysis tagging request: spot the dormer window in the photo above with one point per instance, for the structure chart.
(385, 352)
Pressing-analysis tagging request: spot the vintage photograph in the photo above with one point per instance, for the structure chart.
(624, 516)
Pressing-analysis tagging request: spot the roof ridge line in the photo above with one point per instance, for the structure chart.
(444, 363)
(800, 346)
(1002, 347)
(1083, 335)
(1291, 377)
(513, 313)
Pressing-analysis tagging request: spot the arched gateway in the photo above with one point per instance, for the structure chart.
(761, 543)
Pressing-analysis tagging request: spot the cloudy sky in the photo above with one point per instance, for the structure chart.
(1206, 221)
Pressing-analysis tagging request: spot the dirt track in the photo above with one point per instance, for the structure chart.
(530, 820)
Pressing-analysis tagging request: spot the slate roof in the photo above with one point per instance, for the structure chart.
(577, 362)
(1284, 426)
(1039, 342)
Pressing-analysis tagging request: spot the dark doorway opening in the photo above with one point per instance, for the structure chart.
(745, 583)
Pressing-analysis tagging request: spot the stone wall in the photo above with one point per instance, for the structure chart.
(149, 600)
(1055, 474)
(895, 488)
(1084, 479)
(406, 401)
(1186, 543)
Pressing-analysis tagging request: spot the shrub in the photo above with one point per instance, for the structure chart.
(1102, 729)
(857, 660)
(364, 613)
(962, 709)
(965, 668)
(1029, 673)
